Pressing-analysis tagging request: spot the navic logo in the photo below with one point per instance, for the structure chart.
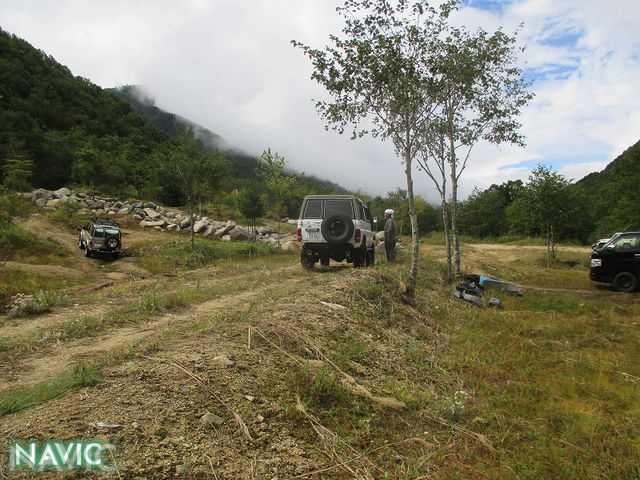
(68, 455)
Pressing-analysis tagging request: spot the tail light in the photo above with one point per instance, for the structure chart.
(358, 235)
(91, 243)
(299, 234)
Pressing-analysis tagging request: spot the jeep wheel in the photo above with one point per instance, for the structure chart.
(625, 282)
(337, 229)
(371, 256)
(305, 261)
(80, 246)
(87, 252)
(360, 257)
(324, 260)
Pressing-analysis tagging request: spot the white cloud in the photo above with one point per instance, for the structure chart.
(228, 65)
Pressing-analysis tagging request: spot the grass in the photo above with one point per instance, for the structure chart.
(176, 255)
(75, 376)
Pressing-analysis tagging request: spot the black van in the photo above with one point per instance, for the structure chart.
(618, 262)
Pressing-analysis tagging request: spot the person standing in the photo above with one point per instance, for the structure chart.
(389, 234)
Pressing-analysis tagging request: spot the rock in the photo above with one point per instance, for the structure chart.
(152, 213)
(290, 246)
(28, 195)
(38, 194)
(200, 225)
(225, 238)
(239, 233)
(173, 226)
(209, 229)
(265, 230)
(223, 360)
(379, 236)
(137, 205)
(150, 205)
(53, 203)
(185, 223)
(380, 249)
(231, 225)
(62, 192)
(137, 217)
(41, 202)
(250, 398)
(211, 419)
(123, 211)
(220, 232)
(152, 223)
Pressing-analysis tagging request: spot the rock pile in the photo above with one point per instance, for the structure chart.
(150, 215)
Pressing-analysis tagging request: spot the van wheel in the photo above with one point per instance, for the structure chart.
(625, 282)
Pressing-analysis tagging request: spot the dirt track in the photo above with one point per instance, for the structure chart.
(157, 407)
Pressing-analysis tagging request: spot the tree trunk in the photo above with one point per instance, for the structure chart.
(415, 239)
(447, 239)
(192, 223)
(454, 198)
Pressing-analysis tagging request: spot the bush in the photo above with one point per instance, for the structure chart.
(23, 305)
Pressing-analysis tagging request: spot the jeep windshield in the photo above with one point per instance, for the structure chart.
(321, 208)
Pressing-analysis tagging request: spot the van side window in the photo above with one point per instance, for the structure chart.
(627, 243)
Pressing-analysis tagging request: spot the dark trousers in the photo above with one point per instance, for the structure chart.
(390, 248)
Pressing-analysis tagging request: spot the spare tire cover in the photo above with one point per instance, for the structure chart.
(337, 229)
(112, 243)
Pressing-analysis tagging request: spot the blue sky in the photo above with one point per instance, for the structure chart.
(229, 66)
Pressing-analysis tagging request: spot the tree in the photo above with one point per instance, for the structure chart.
(379, 77)
(481, 93)
(18, 170)
(277, 182)
(250, 205)
(195, 169)
(87, 167)
(551, 202)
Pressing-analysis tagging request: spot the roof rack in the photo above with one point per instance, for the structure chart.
(105, 221)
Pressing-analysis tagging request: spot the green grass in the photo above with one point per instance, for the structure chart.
(75, 376)
(177, 255)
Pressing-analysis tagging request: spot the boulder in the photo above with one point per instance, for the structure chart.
(219, 233)
(150, 212)
(53, 203)
(150, 205)
(62, 192)
(266, 230)
(152, 223)
(231, 225)
(184, 223)
(137, 217)
(139, 211)
(41, 202)
(379, 236)
(137, 205)
(200, 225)
(239, 233)
(225, 238)
(123, 211)
(38, 194)
(208, 230)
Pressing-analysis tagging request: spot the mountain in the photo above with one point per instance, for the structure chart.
(242, 164)
(611, 196)
(57, 129)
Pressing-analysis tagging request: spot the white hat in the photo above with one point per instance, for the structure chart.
(389, 211)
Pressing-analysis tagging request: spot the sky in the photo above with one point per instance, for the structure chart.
(228, 65)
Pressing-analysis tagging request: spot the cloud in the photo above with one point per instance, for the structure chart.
(229, 66)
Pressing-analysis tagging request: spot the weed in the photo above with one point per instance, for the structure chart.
(23, 305)
(77, 375)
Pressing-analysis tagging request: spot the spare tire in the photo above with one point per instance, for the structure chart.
(337, 229)
(112, 243)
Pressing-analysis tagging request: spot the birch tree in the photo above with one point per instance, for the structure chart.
(480, 95)
(379, 77)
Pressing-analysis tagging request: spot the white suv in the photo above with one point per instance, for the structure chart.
(337, 227)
